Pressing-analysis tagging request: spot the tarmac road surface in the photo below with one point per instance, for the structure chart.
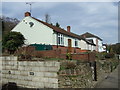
(111, 81)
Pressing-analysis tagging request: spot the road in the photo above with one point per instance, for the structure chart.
(111, 81)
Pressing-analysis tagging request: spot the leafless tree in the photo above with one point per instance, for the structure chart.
(47, 18)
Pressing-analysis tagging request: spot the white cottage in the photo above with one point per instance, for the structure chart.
(38, 32)
(94, 39)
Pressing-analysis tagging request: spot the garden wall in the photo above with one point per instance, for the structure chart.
(30, 74)
(53, 74)
(56, 53)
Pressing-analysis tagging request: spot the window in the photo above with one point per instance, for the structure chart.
(76, 43)
(60, 39)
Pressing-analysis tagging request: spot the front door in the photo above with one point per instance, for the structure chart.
(69, 45)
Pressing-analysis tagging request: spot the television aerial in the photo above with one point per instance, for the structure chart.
(30, 3)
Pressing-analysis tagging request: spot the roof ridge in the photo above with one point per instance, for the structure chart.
(90, 36)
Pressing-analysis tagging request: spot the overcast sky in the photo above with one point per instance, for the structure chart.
(99, 18)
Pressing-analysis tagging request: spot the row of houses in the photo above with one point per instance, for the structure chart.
(36, 31)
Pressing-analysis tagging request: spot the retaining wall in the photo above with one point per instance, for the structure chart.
(30, 74)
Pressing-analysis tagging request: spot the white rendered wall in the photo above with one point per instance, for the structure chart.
(39, 33)
(100, 47)
(83, 45)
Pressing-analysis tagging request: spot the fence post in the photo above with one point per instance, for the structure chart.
(94, 70)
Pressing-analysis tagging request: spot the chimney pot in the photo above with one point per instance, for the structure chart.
(27, 14)
(68, 28)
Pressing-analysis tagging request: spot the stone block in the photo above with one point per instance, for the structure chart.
(40, 74)
(3, 76)
(53, 80)
(50, 74)
(42, 69)
(28, 78)
(24, 73)
(21, 68)
(14, 58)
(36, 68)
(39, 85)
(32, 64)
(4, 67)
(1, 58)
(20, 63)
(35, 79)
(14, 67)
(48, 85)
(4, 80)
(5, 71)
(17, 72)
(57, 63)
(31, 84)
(49, 63)
(15, 63)
(7, 58)
(14, 77)
(53, 69)
(55, 85)
(7, 67)
(40, 64)
(24, 82)
(28, 68)
(43, 79)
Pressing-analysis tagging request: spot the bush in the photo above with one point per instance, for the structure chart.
(68, 56)
(70, 65)
(109, 55)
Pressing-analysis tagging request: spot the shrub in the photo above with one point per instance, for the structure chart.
(70, 65)
(109, 55)
(68, 56)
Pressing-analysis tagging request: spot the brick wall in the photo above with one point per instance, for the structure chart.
(87, 57)
(59, 52)
(80, 56)
(30, 74)
(64, 49)
(48, 53)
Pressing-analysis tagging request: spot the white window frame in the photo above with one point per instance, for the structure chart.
(60, 39)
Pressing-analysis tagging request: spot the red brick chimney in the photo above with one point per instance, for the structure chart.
(84, 36)
(27, 14)
(68, 28)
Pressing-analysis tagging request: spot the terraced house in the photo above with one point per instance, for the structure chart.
(39, 32)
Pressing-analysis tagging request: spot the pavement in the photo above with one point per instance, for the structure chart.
(111, 81)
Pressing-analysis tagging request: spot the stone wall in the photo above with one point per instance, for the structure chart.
(74, 74)
(53, 74)
(30, 74)
(77, 74)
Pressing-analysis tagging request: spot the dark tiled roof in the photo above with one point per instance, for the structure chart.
(89, 35)
(60, 30)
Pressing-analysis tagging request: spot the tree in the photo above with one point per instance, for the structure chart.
(114, 48)
(8, 24)
(12, 41)
(57, 24)
(47, 18)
